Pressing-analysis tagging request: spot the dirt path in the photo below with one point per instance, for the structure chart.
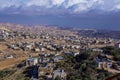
(10, 62)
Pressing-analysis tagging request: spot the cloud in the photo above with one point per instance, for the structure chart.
(57, 2)
(72, 6)
(117, 6)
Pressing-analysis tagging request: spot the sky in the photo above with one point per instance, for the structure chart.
(100, 14)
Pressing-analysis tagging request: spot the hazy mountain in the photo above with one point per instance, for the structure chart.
(88, 20)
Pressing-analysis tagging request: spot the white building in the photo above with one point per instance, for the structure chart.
(61, 73)
(31, 61)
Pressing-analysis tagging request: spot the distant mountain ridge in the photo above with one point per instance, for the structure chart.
(83, 32)
(109, 21)
(99, 33)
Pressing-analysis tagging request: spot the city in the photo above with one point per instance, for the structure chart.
(59, 39)
(40, 52)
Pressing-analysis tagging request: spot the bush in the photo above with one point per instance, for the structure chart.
(57, 78)
(6, 72)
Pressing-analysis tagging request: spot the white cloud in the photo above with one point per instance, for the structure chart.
(58, 2)
(75, 6)
(44, 3)
(117, 6)
(70, 3)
